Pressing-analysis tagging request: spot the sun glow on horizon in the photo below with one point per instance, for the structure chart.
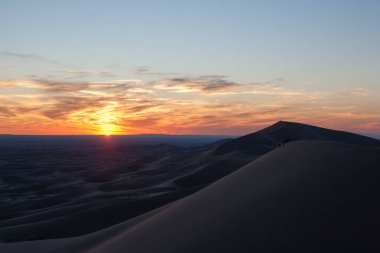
(106, 120)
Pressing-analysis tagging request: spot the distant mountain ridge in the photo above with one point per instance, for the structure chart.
(267, 139)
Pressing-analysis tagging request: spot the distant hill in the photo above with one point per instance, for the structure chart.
(234, 153)
(275, 135)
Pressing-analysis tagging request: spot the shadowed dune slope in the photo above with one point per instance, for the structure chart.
(306, 196)
(267, 139)
(233, 154)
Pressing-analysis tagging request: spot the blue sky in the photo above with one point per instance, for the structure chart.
(322, 42)
(316, 46)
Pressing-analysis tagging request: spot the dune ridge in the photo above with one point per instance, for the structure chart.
(267, 139)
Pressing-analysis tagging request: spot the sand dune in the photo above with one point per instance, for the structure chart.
(306, 196)
(271, 137)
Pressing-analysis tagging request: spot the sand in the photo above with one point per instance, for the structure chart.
(305, 196)
(267, 139)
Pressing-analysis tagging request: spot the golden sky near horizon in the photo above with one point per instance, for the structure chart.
(189, 105)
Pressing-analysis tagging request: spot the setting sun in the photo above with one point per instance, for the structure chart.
(109, 129)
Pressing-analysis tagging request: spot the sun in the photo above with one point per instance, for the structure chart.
(108, 129)
(107, 120)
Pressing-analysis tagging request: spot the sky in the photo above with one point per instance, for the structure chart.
(188, 67)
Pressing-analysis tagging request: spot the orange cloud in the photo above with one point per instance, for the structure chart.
(213, 106)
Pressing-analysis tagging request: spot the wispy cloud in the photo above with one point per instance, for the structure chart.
(203, 104)
(20, 55)
(58, 86)
(356, 92)
(85, 73)
(215, 84)
(205, 84)
(6, 84)
(62, 107)
(145, 70)
(5, 111)
(28, 56)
